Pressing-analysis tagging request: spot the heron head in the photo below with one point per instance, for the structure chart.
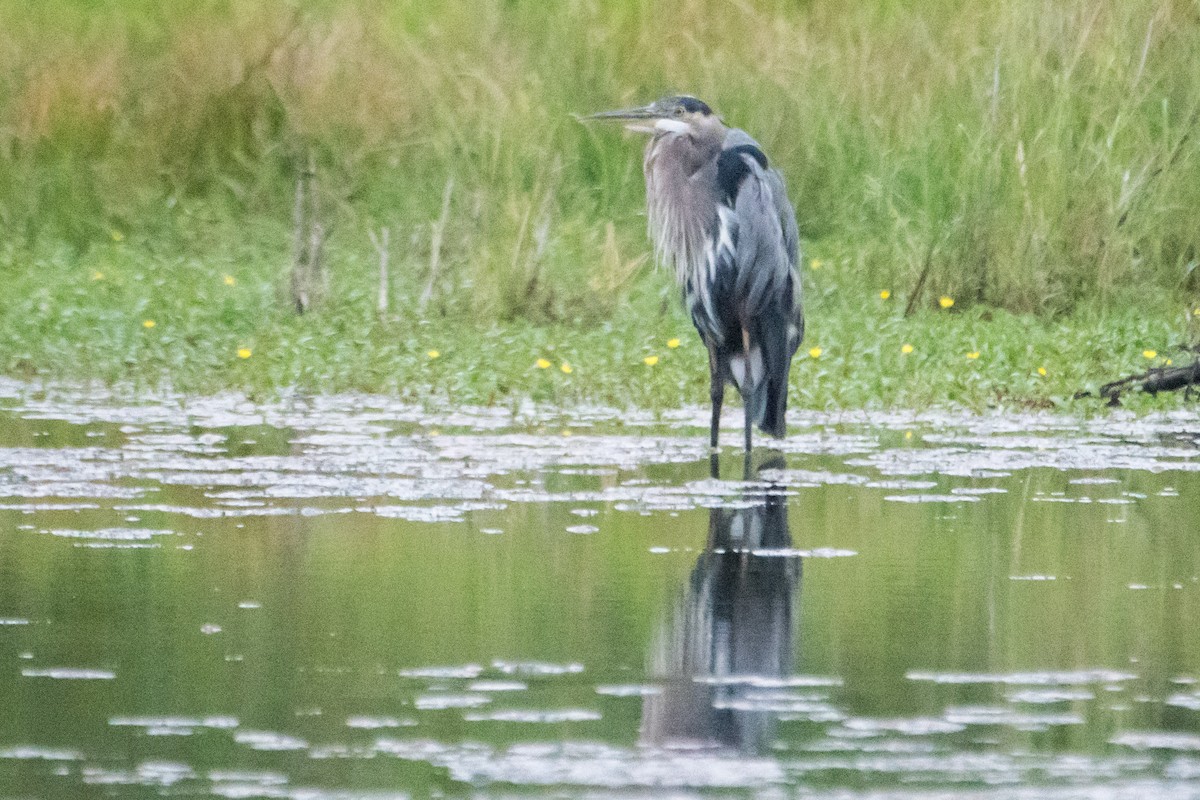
(672, 114)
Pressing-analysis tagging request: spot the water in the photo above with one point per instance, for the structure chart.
(349, 597)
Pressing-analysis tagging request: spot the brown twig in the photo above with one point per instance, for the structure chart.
(915, 295)
(308, 239)
(435, 245)
(381, 242)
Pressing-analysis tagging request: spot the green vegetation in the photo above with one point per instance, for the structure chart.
(1037, 161)
(86, 317)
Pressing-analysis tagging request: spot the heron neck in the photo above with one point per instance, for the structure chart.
(681, 199)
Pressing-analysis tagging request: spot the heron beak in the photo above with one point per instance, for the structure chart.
(630, 115)
(642, 112)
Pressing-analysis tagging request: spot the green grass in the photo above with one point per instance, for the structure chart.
(1037, 159)
(70, 318)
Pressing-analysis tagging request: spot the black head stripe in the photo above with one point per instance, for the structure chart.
(695, 106)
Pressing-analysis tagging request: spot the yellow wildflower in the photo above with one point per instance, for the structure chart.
(908, 434)
(945, 301)
(815, 352)
(244, 352)
(97, 275)
(117, 236)
(566, 432)
(816, 263)
(433, 354)
(1042, 371)
(1196, 312)
(672, 343)
(1150, 353)
(566, 368)
(650, 361)
(1169, 362)
(148, 323)
(228, 280)
(542, 363)
(885, 294)
(906, 348)
(973, 354)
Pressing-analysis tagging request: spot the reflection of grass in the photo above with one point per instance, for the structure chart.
(1033, 154)
(61, 321)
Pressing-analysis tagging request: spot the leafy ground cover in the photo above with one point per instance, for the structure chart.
(127, 314)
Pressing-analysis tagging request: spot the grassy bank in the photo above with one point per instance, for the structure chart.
(128, 314)
(1036, 160)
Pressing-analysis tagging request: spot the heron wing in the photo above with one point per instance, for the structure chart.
(756, 212)
(763, 263)
(762, 268)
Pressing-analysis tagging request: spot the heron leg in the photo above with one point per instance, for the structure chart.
(749, 427)
(716, 392)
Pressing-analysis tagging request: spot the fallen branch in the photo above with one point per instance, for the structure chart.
(1158, 379)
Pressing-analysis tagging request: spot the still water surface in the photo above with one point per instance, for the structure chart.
(347, 597)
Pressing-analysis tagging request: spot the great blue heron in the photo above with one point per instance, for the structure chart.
(720, 215)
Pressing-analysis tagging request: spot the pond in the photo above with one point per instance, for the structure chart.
(350, 597)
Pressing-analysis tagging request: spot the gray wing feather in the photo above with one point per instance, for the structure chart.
(768, 243)
(791, 240)
(787, 215)
(765, 247)
(784, 212)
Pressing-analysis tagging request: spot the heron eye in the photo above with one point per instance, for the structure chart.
(679, 111)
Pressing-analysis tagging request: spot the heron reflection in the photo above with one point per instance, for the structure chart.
(733, 623)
